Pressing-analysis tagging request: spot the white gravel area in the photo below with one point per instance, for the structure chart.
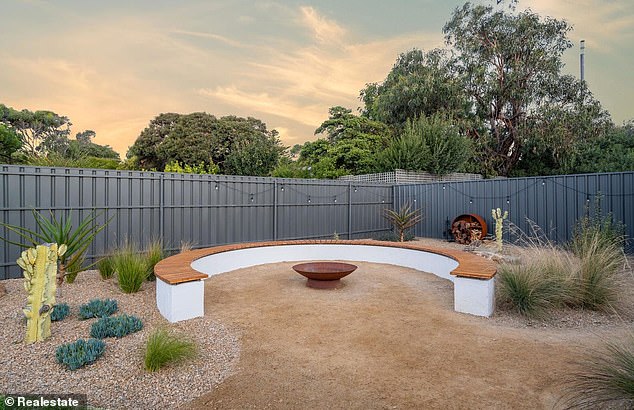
(117, 380)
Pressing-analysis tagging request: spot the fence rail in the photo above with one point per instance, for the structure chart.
(202, 210)
(554, 203)
(208, 210)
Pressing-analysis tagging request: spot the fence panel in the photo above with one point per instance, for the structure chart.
(553, 202)
(199, 210)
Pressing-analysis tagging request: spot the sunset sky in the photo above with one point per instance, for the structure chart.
(112, 66)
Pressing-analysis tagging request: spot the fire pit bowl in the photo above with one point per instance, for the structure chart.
(324, 275)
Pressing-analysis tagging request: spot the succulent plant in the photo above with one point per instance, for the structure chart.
(80, 353)
(115, 326)
(39, 266)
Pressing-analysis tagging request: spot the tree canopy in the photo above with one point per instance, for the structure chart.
(238, 146)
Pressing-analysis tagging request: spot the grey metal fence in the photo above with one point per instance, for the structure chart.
(202, 210)
(554, 203)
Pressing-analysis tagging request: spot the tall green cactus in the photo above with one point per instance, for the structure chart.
(499, 221)
(40, 270)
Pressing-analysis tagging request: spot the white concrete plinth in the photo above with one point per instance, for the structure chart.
(181, 301)
(474, 296)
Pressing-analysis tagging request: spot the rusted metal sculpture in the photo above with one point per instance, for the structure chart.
(468, 228)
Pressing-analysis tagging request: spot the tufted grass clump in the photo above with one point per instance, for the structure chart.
(106, 267)
(60, 311)
(115, 326)
(98, 308)
(605, 378)
(131, 268)
(164, 347)
(79, 353)
(153, 254)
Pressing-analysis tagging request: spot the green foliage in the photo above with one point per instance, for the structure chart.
(154, 254)
(105, 266)
(39, 131)
(392, 236)
(403, 219)
(527, 289)
(61, 231)
(505, 79)
(604, 379)
(164, 347)
(115, 326)
(419, 84)
(200, 168)
(548, 276)
(79, 353)
(132, 269)
(98, 308)
(60, 311)
(433, 144)
(239, 146)
(9, 143)
(595, 230)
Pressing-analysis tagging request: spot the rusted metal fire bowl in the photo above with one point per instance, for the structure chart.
(324, 275)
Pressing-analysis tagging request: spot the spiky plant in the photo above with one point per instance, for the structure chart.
(61, 231)
(604, 378)
(403, 219)
(154, 253)
(163, 347)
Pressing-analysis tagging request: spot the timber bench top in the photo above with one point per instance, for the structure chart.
(177, 268)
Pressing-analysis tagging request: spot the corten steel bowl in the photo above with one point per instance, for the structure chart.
(324, 275)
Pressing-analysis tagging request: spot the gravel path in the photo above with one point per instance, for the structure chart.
(117, 380)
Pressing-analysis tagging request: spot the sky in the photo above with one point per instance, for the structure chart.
(112, 66)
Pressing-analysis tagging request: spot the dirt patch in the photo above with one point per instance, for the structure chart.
(388, 339)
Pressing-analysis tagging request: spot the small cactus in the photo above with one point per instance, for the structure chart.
(499, 221)
(40, 269)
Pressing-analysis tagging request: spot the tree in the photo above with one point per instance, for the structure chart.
(433, 144)
(241, 146)
(342, 124)
(504, 61)
(419, 84)
(9, 143)
(38, 130)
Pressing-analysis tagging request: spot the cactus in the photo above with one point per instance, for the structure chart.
(499, 221)
(40, 269)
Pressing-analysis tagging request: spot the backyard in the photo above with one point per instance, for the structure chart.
(389, 338)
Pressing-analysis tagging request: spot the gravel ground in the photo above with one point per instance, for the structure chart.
(117, 380)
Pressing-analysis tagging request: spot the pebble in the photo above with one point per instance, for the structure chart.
(117, 380)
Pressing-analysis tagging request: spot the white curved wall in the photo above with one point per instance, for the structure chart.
(186, 300)
(222, 262)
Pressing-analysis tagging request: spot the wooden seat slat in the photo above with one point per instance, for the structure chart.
(177, 268)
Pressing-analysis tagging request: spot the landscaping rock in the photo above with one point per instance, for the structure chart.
(3, 290)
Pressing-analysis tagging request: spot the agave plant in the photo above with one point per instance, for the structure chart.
(60, 231)
(403, 219)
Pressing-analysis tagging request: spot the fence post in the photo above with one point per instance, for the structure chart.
(275, 210)
(349, 210)
(161, 205)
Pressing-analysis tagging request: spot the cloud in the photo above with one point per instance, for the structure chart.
(605, 25)
(324, 30)
(212, 36)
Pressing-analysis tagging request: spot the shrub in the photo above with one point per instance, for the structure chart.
(163, 347)
(596, 282)
(527, 289)
(106, 267)
(115, 326)
(403, 219)
(392, 236)
(79, 353)
(595, 231)
(60, 311)
(98, 308)
(131, 268)
(154, 253)
(604, 379)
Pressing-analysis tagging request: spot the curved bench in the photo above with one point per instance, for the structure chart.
(180, 290)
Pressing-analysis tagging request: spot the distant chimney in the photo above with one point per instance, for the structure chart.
(581, 58)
